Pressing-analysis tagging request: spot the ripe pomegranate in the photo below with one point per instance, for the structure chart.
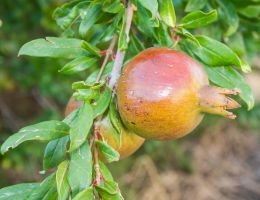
(162, 94)
(130, 142)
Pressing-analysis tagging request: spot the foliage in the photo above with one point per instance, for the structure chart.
(88, 27)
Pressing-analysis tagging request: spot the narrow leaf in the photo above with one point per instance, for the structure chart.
(219, 53)
(105, 172)
(63, 187)
(53, 47)
(112, 6)
(66, 15)
(102, 103)
(87, 194)
(228, 77)
(115, 117)
(151, 5)
(43, 131)
(79, 64)
(93, 13)
(46, 190)
(91, 49)
(198, 19)
(55, 152)
(108, 152)
(20, 191)
(167, 12)
(81, 126)
(228, 16)
(80, 169)
(195, 5)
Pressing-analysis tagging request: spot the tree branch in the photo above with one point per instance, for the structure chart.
(120, 55)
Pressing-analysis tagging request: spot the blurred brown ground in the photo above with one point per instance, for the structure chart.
(227, 167)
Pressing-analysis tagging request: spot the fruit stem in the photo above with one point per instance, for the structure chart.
(214, 100)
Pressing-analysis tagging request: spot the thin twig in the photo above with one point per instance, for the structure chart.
(120, 55)
(109, 52)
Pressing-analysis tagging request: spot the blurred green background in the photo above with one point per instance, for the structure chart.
(220, 160)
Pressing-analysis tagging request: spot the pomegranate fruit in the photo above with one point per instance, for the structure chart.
(130, 142)
(162, 94)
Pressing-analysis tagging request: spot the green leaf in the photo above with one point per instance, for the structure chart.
(167, 12)
(93, 76)
(88, 85)
(112, 6)
(87, 95)
(87, 194)
(164, 37)
(105, 172)
(66, 15)
(190, 36)
(109, 187)
(44, 131)
(198, 18)
(228, 77)
(115, 117)
(122, 40)
(55, 152)
(79, 64)
(53, 47)
(63, 187)
(93, 13)
(107, 151)
(228, 16)
(91, 49)
(195, 5)
(20, 191)
(102, 103)
(236, 43)
(214, 53)
(70, 118)
(109, 191)
(81, 126)
(80, 169)
(108, 34)
(46, 190)
(151, 5)
(144, 22)
(251, 11)
(220, 54)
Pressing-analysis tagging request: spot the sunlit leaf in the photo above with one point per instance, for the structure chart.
(19, 191)
(55, 152)
(53, 47)
(81, 126)
(63, 187)
(80, 169)
(108, 152)
(197, 19)
(228, 77)
(87, 194)
(46, 190)
(44, 131)
(167, 12)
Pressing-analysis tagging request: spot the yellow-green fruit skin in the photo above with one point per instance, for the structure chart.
(158, 94)
(130, 142)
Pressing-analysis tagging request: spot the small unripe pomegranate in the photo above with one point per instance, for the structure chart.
(162, 94)
(130, 142)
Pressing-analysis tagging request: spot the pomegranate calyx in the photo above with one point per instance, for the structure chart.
(214, 100)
